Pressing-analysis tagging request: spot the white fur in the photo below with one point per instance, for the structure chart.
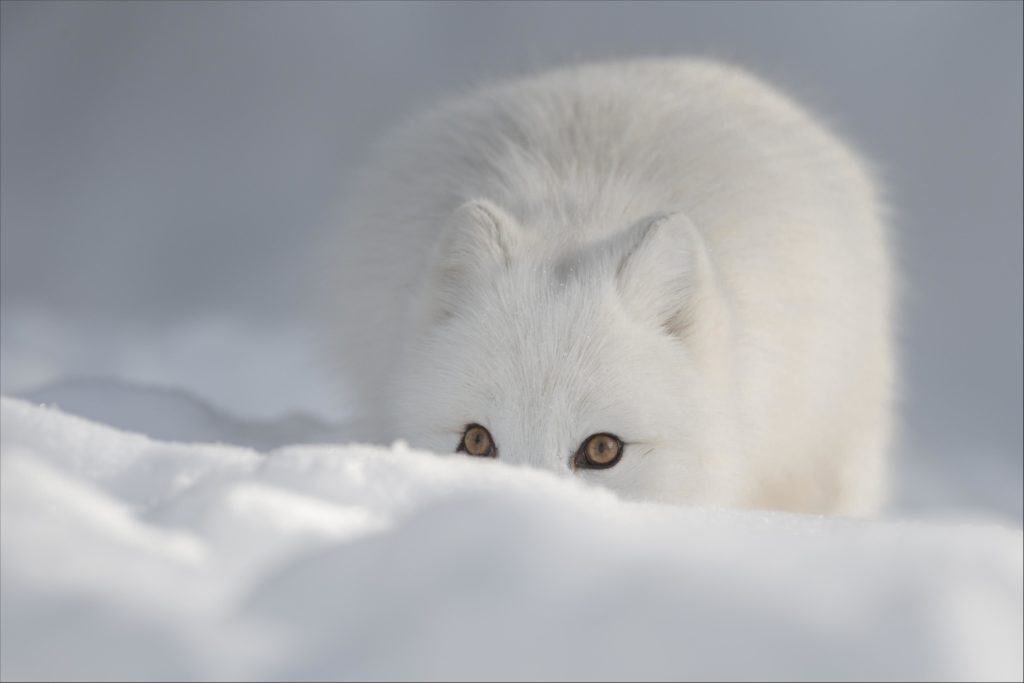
(667, 250)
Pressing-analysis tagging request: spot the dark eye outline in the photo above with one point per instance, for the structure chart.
(581, 461)
(492, 452)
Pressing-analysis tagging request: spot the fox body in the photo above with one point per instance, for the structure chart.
(668, 252)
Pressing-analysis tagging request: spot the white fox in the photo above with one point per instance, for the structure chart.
(661, 276)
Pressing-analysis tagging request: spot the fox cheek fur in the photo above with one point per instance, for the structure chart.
(667, 251)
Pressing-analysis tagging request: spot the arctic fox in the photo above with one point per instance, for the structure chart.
(661, 276)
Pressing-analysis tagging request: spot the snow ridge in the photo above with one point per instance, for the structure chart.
(123, 556)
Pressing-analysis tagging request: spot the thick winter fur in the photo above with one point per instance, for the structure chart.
(666, 250)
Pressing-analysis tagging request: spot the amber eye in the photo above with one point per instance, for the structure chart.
(598, 452)
(476, 440)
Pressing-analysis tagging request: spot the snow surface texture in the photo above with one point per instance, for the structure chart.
(127, 557)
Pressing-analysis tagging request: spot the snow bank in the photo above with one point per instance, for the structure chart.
(177, 415)
(125, 557)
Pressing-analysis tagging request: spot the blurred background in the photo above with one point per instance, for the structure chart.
(166, 170)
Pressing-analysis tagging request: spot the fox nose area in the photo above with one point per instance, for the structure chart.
(556, 464)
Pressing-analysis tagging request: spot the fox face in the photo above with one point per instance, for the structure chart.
(585, 360)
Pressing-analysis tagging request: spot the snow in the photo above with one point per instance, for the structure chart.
(258, 369)
(174, 414)
(125, 556)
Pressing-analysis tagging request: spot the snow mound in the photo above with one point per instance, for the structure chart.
(176, 415)
(126, 557)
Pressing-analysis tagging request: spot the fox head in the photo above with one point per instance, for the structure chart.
(605, 361)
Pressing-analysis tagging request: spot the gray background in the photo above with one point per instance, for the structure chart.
(165, 167)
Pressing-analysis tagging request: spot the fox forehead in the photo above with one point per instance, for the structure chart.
(540, 341)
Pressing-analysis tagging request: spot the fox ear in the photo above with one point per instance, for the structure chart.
(478, 239)
(663, 270)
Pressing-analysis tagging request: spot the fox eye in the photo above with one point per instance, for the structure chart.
(598, 452)
(476, 440)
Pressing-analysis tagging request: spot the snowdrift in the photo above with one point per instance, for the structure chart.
(127, 557)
